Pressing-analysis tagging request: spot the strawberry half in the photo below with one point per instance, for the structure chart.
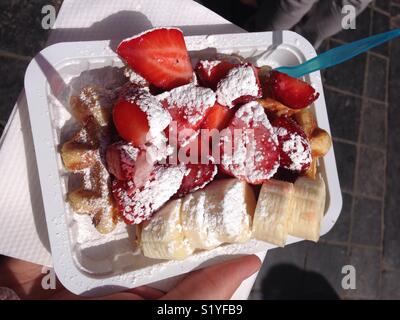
(197, 176)
(218, 117)
(130, 122)
(240, 85)
(160, 56)
(138, 116)
(292, 92)
(188, 106)
(249, 147)
(136, 204)
(294, 146)
(121, 158)
(210, 72)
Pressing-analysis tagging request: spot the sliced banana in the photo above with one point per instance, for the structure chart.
(273, 212)
(307, 208)
(162, 236)
(219, 213)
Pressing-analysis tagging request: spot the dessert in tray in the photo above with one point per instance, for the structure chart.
(196, 157)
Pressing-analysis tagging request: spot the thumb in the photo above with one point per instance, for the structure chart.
(216, 282)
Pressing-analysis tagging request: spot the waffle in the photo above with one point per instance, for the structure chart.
(84, 153)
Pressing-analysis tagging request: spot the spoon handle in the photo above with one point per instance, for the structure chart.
(339, 54)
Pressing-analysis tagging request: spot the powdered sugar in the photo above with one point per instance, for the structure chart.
(247, 157)
(88, 236)
(208, 65)
(131, 153)
(253, 112)
(299, 151)
(281, 132)
(135, 78)
(239, 82)
(157, 117)
(193, 100)
(216, 214)
(147, 31)
(143, 202)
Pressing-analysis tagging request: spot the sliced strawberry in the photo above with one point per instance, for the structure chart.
(249, 147)
(292, 92)
(240, 85)
(210, 72)
(137, 204)
(160, 56)
(131, 122)
(294, 146)
(197, 176)
(121, 158)
(188, 106)
(196, 151)
(218, 117)
(138, 116)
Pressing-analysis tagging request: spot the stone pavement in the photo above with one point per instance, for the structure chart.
(362, 98)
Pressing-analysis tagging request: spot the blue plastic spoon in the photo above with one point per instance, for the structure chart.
(337, 55)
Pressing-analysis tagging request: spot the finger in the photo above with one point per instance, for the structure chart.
(147, 292)
(215, 282)
(119, 296)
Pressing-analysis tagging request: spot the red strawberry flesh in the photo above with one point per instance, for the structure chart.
(160, 56)
(249, 148)
(295, 149)
(210, 72)
(121, 158)
(137, 204)
(197, 176)
(292, 92)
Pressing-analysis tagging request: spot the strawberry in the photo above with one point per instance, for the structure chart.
(160, 56)
(292, 92)
(249, 147)
(217, 117)
(188, 106)
(210, 72)
(240, 85)
(131, 122)
(138, 116)
(196, 151)
(136, 204)
(294, 146)
(121, 158)
(197, 176)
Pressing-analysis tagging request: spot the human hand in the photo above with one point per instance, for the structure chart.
(216, 282)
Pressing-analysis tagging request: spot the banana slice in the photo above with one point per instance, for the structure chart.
(219, 213)
(307, 208)
(273, 212)
(162, 236)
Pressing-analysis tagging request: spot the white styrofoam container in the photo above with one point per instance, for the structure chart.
(104, 264)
